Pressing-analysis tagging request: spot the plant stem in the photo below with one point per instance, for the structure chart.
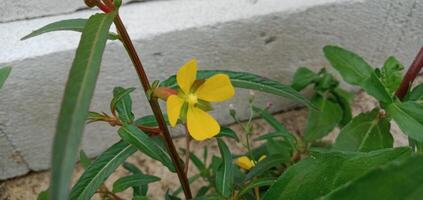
(187, 150)
(126, 40)
(412, 73)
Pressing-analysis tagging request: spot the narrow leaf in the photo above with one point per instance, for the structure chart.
(274, 123)
(84, 160)
(77, 97)
(65, 25)
(225, 173)
(100, 170)
(366, 132)
(150, 121)
(320, 122)
(227, 132)
(122, 102)
(248, 81)
(4, 73)
(138, 190)
(264, 165)
(145, 144)
(124, 183)
(268, 181)
(197, 162)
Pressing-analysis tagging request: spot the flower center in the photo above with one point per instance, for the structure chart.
(192, 99)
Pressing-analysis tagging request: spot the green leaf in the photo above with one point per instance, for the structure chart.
(274, 123)
(122, 102)
(343, 98)
(225, 173)
(398, 180)
(202, 191)
(366, 132)
(190, 181)
(278, 148)
(374, 87)
(150, 121)
(227, 132)
(391, 74)
(264, 165)
(100, 170)
(77, 97)
(326, 82)
(320, 122)
(139, 190)
(145, 144)
(352, 67)
(247, 81)
(302, 78)
(66, 25)
(140, 198)
(124, 183)
(95, 116)
(320, 174)
(356, 71)
(84, 160)
(4, 73)
(198, 163)
(270, 135)
(171, 197)
(267, 181)
(44, 195)
(409, 117)
(416, 94)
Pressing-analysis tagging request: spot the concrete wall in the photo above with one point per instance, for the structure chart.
(267, 37)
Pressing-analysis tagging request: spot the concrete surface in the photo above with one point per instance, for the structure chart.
(23, 9)
(268, 37)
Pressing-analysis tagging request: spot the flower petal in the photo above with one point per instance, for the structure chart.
(200, 124)
(186, 75)
(216, 88)
(244, 162)
(173, 104)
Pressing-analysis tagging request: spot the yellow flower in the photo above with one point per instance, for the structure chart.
(192, 102)
(246, 163)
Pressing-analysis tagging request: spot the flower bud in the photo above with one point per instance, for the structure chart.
(91, 3)
(164, 92)
(232, 110)
(252, 96)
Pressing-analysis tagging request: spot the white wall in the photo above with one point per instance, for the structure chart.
(269, 37)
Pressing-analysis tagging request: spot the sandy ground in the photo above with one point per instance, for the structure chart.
(27, 187)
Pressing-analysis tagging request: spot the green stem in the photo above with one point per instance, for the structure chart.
(127, 42)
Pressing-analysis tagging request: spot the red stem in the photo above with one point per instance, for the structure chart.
(410, 76)
(154, 104)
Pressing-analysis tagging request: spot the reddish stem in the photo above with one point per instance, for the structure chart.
(104, 8)
(410, 76)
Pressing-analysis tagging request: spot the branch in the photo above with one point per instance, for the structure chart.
(410, 76)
